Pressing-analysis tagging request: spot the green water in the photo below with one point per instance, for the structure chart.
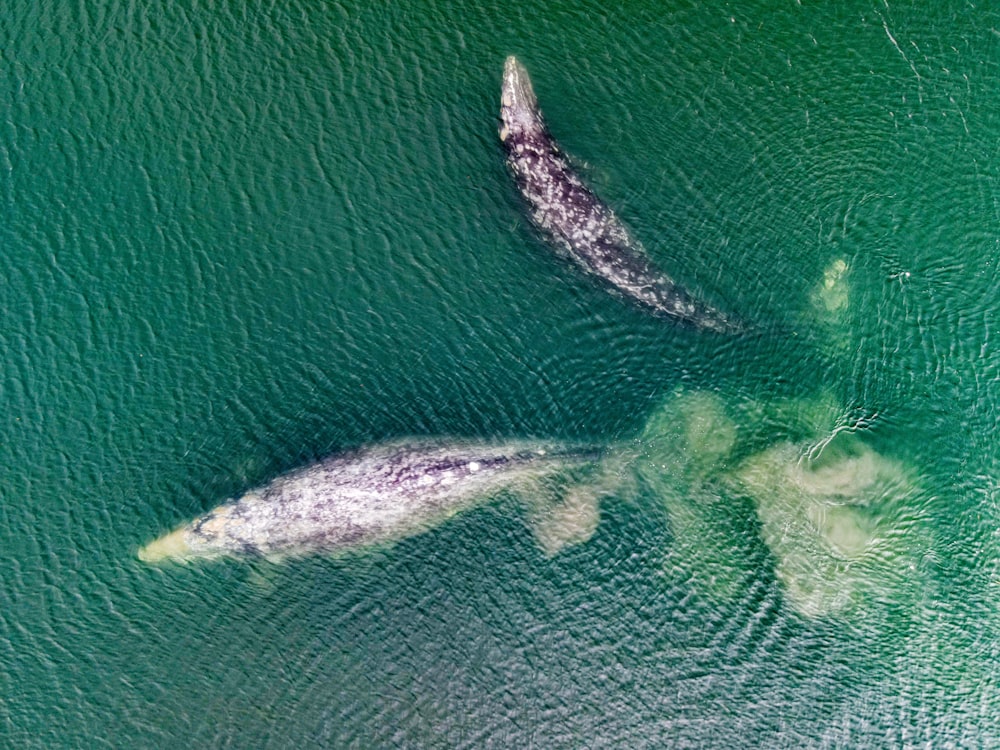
(238, 236)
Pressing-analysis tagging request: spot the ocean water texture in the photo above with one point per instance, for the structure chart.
(240, 236)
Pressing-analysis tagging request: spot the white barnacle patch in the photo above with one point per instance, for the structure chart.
(474, 466)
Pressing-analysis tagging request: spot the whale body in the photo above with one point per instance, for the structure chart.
(579, 223)
(368, 497)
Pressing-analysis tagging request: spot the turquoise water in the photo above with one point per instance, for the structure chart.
(238, 236)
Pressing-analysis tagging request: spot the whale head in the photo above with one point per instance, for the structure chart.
(518, 105)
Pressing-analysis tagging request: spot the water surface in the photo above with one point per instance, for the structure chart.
(238, 236)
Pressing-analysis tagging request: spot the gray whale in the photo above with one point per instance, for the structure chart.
(381, 494)
(576, 221)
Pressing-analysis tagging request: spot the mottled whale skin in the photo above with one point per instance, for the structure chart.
(371, 496)
(576, 221)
